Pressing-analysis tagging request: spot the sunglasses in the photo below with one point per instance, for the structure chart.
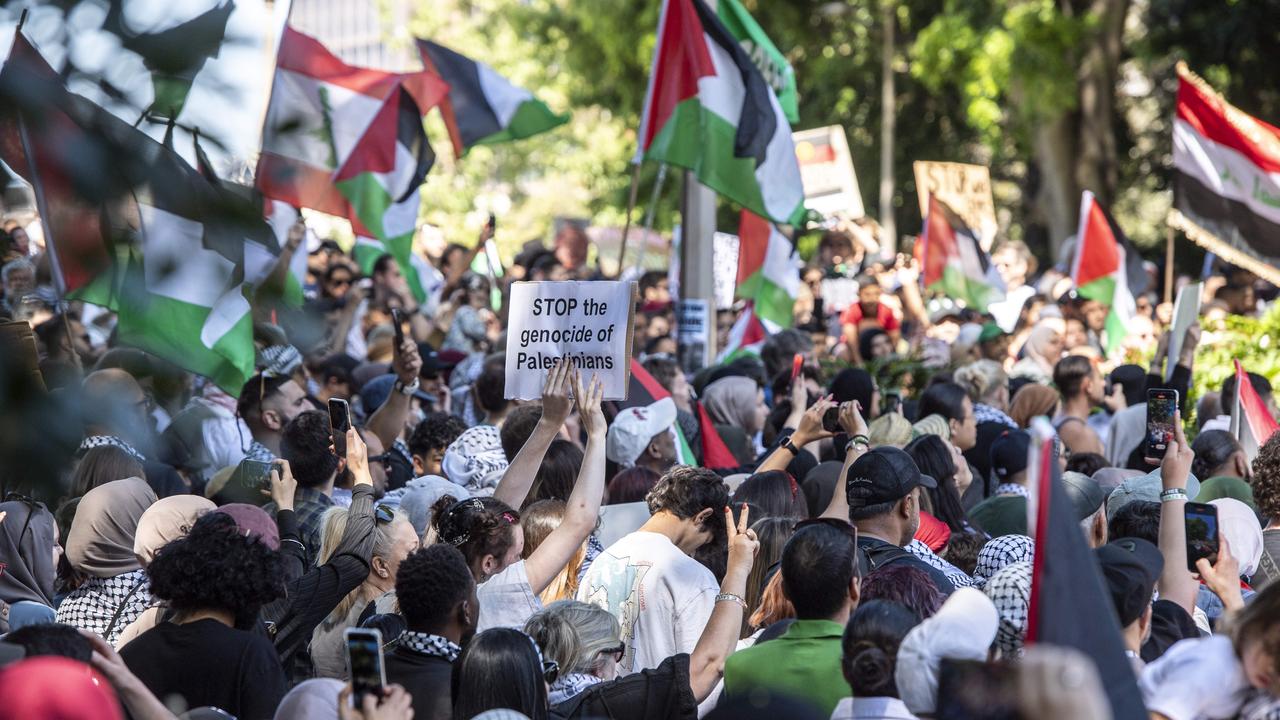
(385, 458)
(384, 514)
(616, 652)
(550, 671)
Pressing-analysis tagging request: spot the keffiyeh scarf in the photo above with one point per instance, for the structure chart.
(985, 413)
(431, 645)
(1010, 592)
(1012, 489)
(569, 685)
(1000, 553)
(957, 576)
(94, 441)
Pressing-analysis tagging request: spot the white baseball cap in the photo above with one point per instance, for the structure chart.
(633, 429)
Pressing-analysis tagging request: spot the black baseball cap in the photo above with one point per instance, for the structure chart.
(1130, 567)
(883, 475)
(432, 362)
(1009, 453)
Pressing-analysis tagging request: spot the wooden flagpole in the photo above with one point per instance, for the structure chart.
(626, 227)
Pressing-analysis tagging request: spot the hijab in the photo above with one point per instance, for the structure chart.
(1030, 401)
(316, 698)
(962, 629)
(101, 539)
(167, 520)
(854, 384)
(731, 401)
(1038, 342)
(1239, 525)
(29, 570)
(56, 688)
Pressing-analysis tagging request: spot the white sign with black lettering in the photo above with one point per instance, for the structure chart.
(589, 322)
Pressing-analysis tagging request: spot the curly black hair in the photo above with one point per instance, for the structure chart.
(305, 444)
(430, 583)
(686, 491)
(52, 639)
(1266, 477)
(437, 431)
(216, 567)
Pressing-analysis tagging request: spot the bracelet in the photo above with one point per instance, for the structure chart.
(730, 597)
(858, 441)
(786, 444)
(860, 438)
(1173, 494)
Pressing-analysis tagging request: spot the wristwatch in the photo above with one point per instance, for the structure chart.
(409, 389)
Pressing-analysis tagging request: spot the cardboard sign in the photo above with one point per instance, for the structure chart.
(826, 171)
(591, 322)
(966, 189)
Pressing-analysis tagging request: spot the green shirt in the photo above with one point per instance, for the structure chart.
(1001, 515)
(803, 663)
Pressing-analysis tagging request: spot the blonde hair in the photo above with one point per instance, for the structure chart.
(538, 520)
(332, 527)
(574, 634)
(981, 379)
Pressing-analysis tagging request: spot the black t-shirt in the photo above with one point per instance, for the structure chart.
(882, 554)
(209, 664)
(1169, 624)
(426, 678)
(660, 693)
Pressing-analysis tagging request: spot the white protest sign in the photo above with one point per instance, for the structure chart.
(590, 322)
(826, 172)
(1185, 312)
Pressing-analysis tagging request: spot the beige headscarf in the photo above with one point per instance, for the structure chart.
(168, 519)
(101, 539)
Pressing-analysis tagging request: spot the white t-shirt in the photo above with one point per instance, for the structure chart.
(1194, 679)
(661, 597)
(506, 599)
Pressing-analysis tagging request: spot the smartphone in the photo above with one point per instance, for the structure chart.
(253, 475)
(397, 322)
(974, 690)
(831, 419)
(1202, 533)
(364, 659)
(1162, 404)
(493, 223)
(797, 362)
(892, 403)
(339, 424)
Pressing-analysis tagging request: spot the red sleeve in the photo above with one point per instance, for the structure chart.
(887, 319)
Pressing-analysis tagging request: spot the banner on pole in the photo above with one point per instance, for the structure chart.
(964, 188)
(826, 171)
(589, 322)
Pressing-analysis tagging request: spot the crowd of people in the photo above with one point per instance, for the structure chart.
(577, 558)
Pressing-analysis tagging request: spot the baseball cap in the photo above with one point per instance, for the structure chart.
(1144, 487)
(1130, 567)
(433, 361)
(990, 331)
(1085, 494)
(634, 428)
(883, 475)
(1009, 453)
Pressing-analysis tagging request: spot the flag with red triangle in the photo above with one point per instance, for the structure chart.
(646, 390)
(768, 270)
(746, 337)
(1251, 423)
(1103, 267)
(953, 262)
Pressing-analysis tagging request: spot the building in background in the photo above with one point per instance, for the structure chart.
(362, 33)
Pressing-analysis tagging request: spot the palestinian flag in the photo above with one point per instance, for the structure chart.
(348, 141)
(1067, 589)
(645, 390)
(952, 261)
(1251, 423)
(768, 270)
(771, 62)
(746, 337)
(484, 108)
(709, 110)
(1226, 178)
(1105, 260)
(173, 56)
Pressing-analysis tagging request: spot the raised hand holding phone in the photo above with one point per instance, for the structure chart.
(339, 424)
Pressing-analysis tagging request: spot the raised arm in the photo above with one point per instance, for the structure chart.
(583, 506)
(809, 430)
(853, 423)
(1176, 582)
(516, 481)
(388, 421)
(720, 637)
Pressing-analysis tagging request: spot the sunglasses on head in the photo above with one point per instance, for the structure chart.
(550, 671)
(383, 514)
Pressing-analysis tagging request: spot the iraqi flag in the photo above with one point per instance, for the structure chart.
(482, 107)
(953, 262)
(768, 270)
(348, 141)
(1069, 602)
(1226, 186)
(1251, 424)
(709, 110)
(1104, 266)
